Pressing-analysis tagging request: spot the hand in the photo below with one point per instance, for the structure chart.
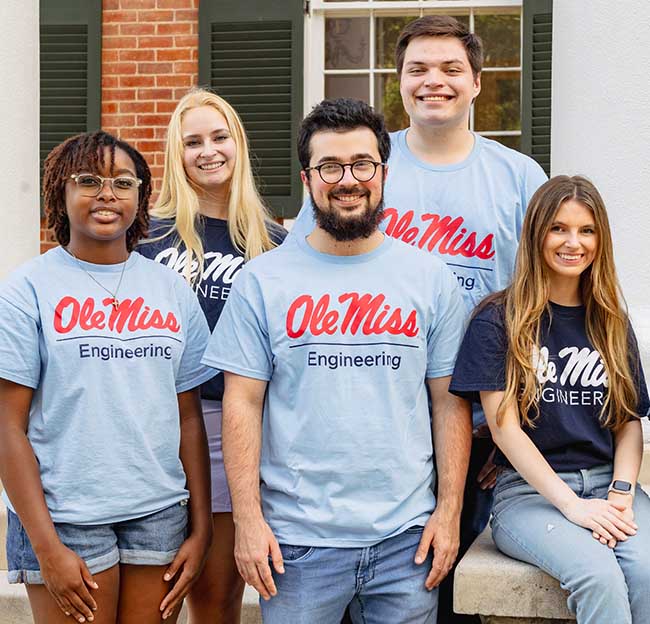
(254, 543)
(442, 533)
(189, 559)
(603, 518)
(487, 477)
(626, 501)
(67, 577)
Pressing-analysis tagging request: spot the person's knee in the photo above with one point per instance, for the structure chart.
(597, 580)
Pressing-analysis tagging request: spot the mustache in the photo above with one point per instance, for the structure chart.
(349, 190)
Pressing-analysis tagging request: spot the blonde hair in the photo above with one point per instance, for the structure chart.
(248, 218)
(527, 299)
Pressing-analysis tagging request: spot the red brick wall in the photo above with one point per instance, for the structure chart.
(149, 60)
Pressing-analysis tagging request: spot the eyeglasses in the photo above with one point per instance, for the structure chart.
(332, 172)
(90, 185)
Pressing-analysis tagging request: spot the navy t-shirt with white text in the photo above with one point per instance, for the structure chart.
(572, 378)
(222, 263)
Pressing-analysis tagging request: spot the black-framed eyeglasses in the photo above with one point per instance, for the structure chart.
(333, 172)
(90, 185)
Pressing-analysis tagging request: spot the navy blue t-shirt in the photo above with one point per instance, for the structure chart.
(572, 378)
(223, 261)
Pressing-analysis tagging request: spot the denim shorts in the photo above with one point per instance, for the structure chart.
(148, 540)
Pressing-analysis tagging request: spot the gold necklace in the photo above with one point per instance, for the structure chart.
(114, 300)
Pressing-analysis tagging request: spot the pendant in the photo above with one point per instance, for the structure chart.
(115, 303)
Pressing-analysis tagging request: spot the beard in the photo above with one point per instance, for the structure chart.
(343, 228)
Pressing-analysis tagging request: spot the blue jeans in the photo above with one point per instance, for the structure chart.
(380, 584)
(604, 585)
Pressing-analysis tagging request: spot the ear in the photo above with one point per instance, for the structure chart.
(304, 176)
(477, 85)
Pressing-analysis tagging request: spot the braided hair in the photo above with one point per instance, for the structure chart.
(86, 152)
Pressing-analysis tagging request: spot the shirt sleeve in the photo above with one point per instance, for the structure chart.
(20, 359)
(643, 405)
(191, 371)
(305, 222)
(481, 362)
(446, 332)
(240, 341)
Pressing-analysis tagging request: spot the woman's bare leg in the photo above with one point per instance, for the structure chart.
(217, 595)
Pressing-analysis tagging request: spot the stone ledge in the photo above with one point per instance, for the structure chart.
(490, 584)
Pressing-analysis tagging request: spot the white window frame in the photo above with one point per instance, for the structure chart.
(314, 53)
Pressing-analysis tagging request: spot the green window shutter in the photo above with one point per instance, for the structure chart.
(536, 81)
(251, 53)
(70, 70)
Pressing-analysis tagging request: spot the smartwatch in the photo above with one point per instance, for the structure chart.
(620, 487)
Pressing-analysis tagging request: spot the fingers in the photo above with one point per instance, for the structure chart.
(79, 608)
(176, 594)
(425, 544)
(443, 560)
(252, 572)
(276, 556)
(264, 572)
(174, 566)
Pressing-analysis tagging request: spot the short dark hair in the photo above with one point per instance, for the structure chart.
(341, 115)
(85, 152)
(440, 26)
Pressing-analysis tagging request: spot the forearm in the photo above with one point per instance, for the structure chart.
(195, 458)
(628, 452)
(452, 437)
(21, 479)
(242, 442)
(527, 460)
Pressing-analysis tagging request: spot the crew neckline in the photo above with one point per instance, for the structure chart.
(406, 151)
(382, 248)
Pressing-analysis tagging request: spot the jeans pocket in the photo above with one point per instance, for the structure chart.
(415, 529)
(295, 553)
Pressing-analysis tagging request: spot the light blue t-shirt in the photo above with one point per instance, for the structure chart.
(469, 213)
(346, 344)
(104, 420)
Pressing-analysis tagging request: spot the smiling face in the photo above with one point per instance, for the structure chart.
(209, 150)
(103, 218)
(437, 84)
(571, 244)
(348, 209)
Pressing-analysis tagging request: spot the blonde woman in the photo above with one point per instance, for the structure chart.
(558, 371)
(208, 220)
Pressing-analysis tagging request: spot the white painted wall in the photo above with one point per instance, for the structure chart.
(601, 127)
(19, 207)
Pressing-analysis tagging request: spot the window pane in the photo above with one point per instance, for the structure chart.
(355, 86)
(509, 141)
(387, 29)
(501, 36)
(347, 43)
(497, 106)
(389, 102)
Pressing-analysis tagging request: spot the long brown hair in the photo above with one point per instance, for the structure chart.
(526, 300)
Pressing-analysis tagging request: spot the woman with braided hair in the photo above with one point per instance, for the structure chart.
(103, 454)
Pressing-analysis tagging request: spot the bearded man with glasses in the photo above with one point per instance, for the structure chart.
(330, 345)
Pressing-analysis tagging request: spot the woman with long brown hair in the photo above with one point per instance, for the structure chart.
(557, 367)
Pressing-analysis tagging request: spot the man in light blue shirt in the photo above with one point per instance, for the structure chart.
(330, 345)
(454, 194)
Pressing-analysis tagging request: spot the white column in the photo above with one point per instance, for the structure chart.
(19, 112)
(601, 127)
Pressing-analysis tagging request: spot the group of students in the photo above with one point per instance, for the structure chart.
(343, 368)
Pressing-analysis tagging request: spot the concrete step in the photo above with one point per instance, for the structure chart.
(485, 583)
(14, 605)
